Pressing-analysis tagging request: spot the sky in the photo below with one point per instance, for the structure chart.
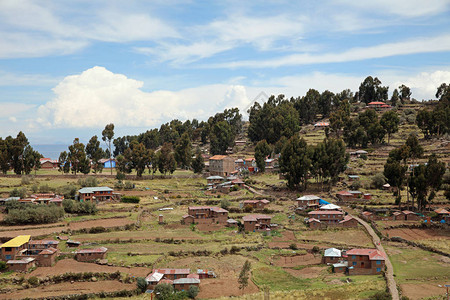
(68, 68)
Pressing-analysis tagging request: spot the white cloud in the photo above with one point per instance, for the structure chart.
(8, 109)
(97, 97)
(16, 79)
(412, 46)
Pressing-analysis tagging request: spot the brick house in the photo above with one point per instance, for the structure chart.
(308, 201)
(91, 254)
(214, 180)
(183, 284)
(410, 216)
(376, 104)
(48, 163)
(331, 256)
(365, 261)
(369, 215)
(11, 248)
(21, 265)
(47, 198)
(340, 267)
(205, 215)
(256, 222)
(42, 244)
(256, 204)
(314, 223)
(345, 196)
(348, 222)
(102, 193)
(331, 217)
(43, 258)
(221, 165)
(159, 276)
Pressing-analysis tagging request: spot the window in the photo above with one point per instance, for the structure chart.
(8, 257)
(354, 263)
(8, 249)
(378, 269)
(353, 256)
(378, 262)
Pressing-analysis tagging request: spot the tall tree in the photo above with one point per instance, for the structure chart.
(395, 98)
(95, 153)
(107, 137)
(63, 162)
(140, 157)
(405, 93)
(325, 102)
(31, 159)
(295, 162)
(183, 151)
(244, 275)
(77, 156)
(389, 120)
(262, 150)
(166, 161)
(198, 164)
(221, 137)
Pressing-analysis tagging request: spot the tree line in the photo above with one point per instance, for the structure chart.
(17, 154)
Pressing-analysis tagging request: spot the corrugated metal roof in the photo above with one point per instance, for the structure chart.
(96, 250)
(17, 241)
(332, 252)
(88, 190)
(186, 281)
(308, 197)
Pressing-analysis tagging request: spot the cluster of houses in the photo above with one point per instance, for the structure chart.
(43, 198)
(218, 215)
(378, 105)
(442, 216)
(181, 279)
(355, 261)
(224, 165)
(323, 214)
(48, 163)
(23, 253)
(222, 184)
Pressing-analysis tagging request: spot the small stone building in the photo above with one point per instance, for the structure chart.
(91, 254)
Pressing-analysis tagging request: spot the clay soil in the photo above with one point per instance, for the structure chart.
(113, 222)
(70, 265)
(308, 272)
(415, 291)
(68, 288)
(417, 234)
(224, 287)
(298, 260)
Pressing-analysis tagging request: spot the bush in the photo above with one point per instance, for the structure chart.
(35, 188)
(384, 295)
(293, 246)
(130, 199)
(225, 204)
(44, 189)
(192, 291)
(68, 191)
(89, 181)
(34, 281)
(164, 291)
(128, 185)
(248, 208)
(120, 176)
(75, 207)
(363, 156)
(378, 180)
(355, 185)
(2, 265)
(315, 249)
(141, 284)
(26, 180)
(22, 192)
(33, 214)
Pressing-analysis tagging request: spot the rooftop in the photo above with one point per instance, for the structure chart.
(94, 250)
(308, 197)
(325, 212)
(186, 281)
(332, 252)
(373, 254)
(17, 241)
(89, 190)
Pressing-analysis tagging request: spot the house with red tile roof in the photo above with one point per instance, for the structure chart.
(91, 254)
(345, 195)
(256, 204)
(365, 261)
(256, 222)
(205, 215)
(181, 279)
(327, 217)
(221, 165)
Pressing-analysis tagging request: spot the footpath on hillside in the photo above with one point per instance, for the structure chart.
(392, 285)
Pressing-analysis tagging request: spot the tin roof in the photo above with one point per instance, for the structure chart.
(173, 271)
(308, 197)
(325, 212)
(43, 242)
(186, 281)
(90, 190)
(25, 260)
(95, 250)
(332, 252)
(373, 254)
(17, 241)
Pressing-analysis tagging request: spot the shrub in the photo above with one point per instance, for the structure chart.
(378, 180)
(225, 204)
(120, 176)
(293, 246)
(363, 156)
(75, 207)
(234, 249)
(248, 208)
(68, 191)
(141, 284)
(128, 185)
(35, 188)
(97, 229)
(26, 180)
(33, 280)
(33, 214)
(355, 185)
(130, 199)
(89, 181)
(2, 265)
(164, 291)
(45, 188)
(315, 249)
(192, 291)
(22, 192)
(384, 295)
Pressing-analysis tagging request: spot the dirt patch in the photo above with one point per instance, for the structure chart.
(107, 223)
(209, 227)
(308, 272)
(70, 265)
(286, 236)
(285, 245)
(68, 288)
(418, 234)
(139, 193)
(298, 260)
(415, 291)
(215, 287)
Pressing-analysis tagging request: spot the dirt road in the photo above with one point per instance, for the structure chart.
(392, 285)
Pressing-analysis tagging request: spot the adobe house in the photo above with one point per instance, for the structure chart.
(256, 204)
(321, 125)
(237, 182)
(91, 254)
(365, 261)
(205, 215)
(108, 163)
(308, 201)
(11, 248)
(345, 196)
(43, 258)
(202, 274)
(330, 217)
(213, 180)
(221, 165)
(183, 284)
(101, 193)
(48, 163)
(348, 222)
(256, 222)
(21, 265)
(356, 194)
(369, 215)
(331, 256)
(231, 223)
(340, 267)
(410, 216)
(173, 274)
(314, 223)
(376, 104)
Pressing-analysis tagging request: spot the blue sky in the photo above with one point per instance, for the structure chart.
(68, 68)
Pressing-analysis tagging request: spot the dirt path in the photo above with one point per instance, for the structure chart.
(392, 285)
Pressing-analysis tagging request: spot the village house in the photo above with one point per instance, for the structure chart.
(42, 244)
(314, 223)
(221, 165)
(356, 194)
(271, 164)
(256, 204)
(108, 163)
(202, 274)
(12, 247)
(331, 256)
(48, 163)
(239, 164)
(328, 217)
(91, 254)
(340, 267)
(358, 153)
(102, 193)
(369, 215)
(365, 261)
(256, 222)
(377, 105)
(181, 279)
(348, 222)
(353, 177)
(321, 125)
(238, 182)
(250, 164)
(308, 201)
(183, 284)
(443, 215)
(330, 207)
(42, 258)
(405, 215)
(214, 180)
(47, 198)
(21, 265)
(345, 196)
(205, 215)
